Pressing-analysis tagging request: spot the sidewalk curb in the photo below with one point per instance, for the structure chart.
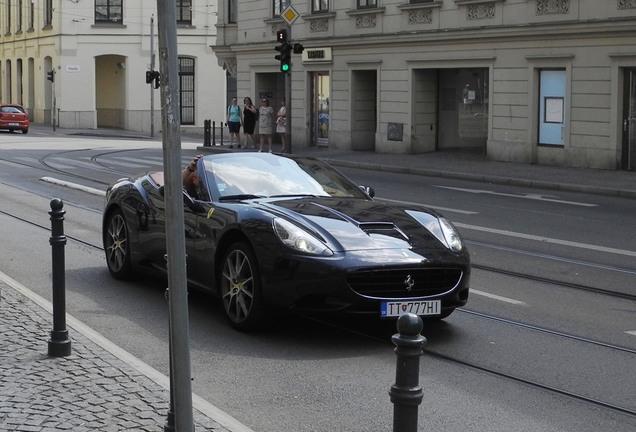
(537, 184)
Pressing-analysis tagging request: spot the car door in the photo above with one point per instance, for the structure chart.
(206, 222)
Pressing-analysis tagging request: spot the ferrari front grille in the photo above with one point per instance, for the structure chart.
(404, 283)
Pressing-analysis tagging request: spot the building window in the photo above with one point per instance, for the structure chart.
(320, 6)
(31, 14)
(108, 11)
(8, 15)
(48, 13)
(279, 7)
(363, 4)
(184, 12)
(18, 25)
(421, 1)
(231, 13)
(186, 90)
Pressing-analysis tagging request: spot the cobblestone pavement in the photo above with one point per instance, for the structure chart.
(90, 390)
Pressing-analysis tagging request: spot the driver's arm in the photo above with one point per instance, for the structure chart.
(189, 171)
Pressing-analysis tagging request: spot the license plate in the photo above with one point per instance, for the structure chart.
(14, 124)
(421, 307)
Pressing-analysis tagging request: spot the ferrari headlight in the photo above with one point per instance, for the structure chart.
(299, 239)
(442, 229)
(453, 240)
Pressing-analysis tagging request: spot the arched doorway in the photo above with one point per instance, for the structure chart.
(110, 91)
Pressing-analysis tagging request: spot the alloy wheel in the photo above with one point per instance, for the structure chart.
(116, 246)
(239, 287)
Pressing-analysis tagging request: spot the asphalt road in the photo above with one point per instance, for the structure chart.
(310, 374)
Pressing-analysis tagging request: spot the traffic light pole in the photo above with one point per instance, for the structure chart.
(288, 103)
(285, 48)
(53, 102)
(54, 107)
(288, 117)
(152, 67)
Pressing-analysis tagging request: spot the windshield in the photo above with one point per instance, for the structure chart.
(251, 175)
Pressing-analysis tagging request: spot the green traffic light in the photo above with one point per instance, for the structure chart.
(284, 67)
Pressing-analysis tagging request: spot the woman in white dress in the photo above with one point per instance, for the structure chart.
(281, 124)
(265, 124)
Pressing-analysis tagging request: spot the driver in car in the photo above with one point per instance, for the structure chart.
(190, 177)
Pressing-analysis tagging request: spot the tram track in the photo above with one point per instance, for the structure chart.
(47, 168)
(552, 281)
(549, 281)
(43, 161)
(385, 339)
(535, 384)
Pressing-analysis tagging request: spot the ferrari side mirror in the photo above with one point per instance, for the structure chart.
(367, 190)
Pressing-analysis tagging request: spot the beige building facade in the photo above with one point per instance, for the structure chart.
(99, 52)
(534, 81)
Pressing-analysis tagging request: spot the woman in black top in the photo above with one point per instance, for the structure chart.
(249, 120)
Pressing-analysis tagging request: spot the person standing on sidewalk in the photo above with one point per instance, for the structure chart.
(265, 124)
(281, 124)
(250, 113)
(234, 121)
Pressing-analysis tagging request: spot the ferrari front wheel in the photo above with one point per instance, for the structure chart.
(240, 287)
(117, 245)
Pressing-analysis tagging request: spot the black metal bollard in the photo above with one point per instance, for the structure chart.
(222, 132)
(213, 133)
(406, 394)
(59, 344)
(206, 133)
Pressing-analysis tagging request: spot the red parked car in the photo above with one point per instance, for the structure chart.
(13, 117)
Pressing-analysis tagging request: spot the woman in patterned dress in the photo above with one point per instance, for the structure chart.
(265, 124)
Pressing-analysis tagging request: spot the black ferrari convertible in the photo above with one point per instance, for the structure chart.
(265, 230)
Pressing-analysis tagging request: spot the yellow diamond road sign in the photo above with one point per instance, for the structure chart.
(289, 15)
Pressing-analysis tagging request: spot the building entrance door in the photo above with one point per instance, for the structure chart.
(320, 91)
(463, 109)
(628, 153)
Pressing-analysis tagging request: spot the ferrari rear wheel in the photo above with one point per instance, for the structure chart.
(116, 246)
(240, 287)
